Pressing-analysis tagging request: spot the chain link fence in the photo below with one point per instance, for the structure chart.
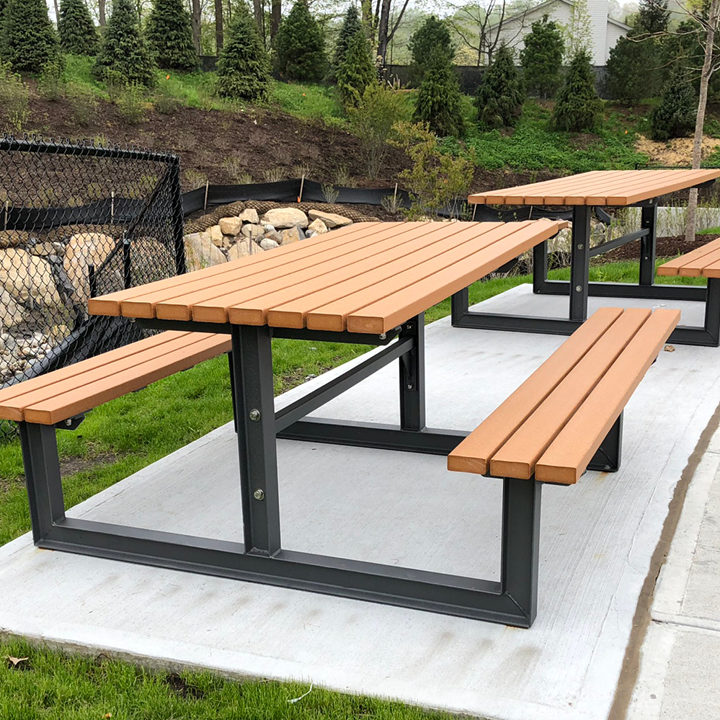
(78, 221)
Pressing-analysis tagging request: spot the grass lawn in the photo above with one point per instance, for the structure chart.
(125, 435)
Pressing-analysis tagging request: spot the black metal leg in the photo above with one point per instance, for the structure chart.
(459, 304)
(255, 412)
(520, 543)
(608, 455)
(42, 477)
(232, 391)
(540, 266)
(709, 334)
(580, 262)
(412, 376)
(647, 244)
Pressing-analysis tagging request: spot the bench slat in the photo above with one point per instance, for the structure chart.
(694, 257)
(473, 454)
(569, 454)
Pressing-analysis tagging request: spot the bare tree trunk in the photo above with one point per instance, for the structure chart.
(383, 25)
(276, 17)
(366, 13)
(57, 10)
(259, 12)
(707, 70)
(219, 38)
(196, 25)
(101, 13)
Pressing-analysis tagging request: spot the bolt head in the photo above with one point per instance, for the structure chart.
(259, 494)
(581, 246)
(254, 415)
(578, 288)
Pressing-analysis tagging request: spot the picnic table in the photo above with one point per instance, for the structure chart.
(584, 193)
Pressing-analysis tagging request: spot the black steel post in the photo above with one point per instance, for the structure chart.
(255, 413)
(232, 389)
(412, 376)
(712, 310)
(42, 477)
(540, 266)
(459, 304)
(127, 260)
(520, 543)
(580, 263)
(647, 244)
(178, 219)
(608, 455)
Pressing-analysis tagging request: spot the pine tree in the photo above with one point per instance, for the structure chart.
(438, 98)
(29, 41)
(357, 70)
(169, 34)
(243, 68)
(577, 106)
(653, 16)
(500, 95)
(300, 45)
(351, 25)
(429, 40)
(675, 115)
(541, 58)
(76, 28)
(124, 56)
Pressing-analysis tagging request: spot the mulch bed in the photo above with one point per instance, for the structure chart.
(666, 247)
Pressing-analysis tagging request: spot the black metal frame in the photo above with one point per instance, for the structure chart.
(579, 288)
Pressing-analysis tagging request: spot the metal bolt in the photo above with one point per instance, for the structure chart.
(580, 246)
(68, 423)
(254, 415)
(383, 336)
(578, 288)
(409, 387)
(259, 494)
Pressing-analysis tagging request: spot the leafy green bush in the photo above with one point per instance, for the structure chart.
(243, 68)
(431, 39)
(83, 103)
(372, 120)
(438, 101)
(165, 102)
(131, 103)
(356, 71)
(76, 28)
(541, 58)
(675, 115)
(29, 41)
(124, 54)
(169, 33)
(14, 97)
(577, 106)
(351, 25)
(51, 83)
(300, 46)
(501, 94)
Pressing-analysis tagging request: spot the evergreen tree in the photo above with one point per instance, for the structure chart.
(541, 58)
(577, 105)
(243, 68)
(653, 16)
(356, 71)
(500, 95)
(300, 45)
(169, 34)
(429, 40)
(675, 115)
(29, 41)
(76, 28)
(438, 98)
(351, 25)
(124, 56)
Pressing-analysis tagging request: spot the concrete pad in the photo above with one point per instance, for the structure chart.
(596, 542)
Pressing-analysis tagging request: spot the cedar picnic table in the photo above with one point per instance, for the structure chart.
(369, 283)
(583, 193)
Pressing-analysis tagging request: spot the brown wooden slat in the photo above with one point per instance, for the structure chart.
(633, 181)
(697, 268)
(65, 405)
(672, 267)
(694, 177)
(572, 449)
(518, 455)
(402, 299)
(473, 454)
(580, 193)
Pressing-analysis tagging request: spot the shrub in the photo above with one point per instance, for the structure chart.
(300, 46)
(131, 103)
(51, 83)
(500, 96)
(541, 58)
(351, 25)
(169, 33)
(76, 28)
(437, 103)
(357, 70)
(123, 53)
(165, 103)
(431, 39)
(29, 41)
(83, 104)
(14, 97)
(675, 115)
(243, 68)
(372, 120)
(577, 107)
(436, 180)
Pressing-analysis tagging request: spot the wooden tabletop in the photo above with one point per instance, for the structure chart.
(610, 188)
(365, 278)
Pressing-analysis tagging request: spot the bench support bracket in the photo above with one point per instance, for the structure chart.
(608, 455)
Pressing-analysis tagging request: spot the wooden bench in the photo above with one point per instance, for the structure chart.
(701, 262)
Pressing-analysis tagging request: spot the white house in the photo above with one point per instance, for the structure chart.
(605, 31)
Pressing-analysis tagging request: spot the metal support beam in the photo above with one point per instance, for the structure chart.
(709, 334)
(629, 290)
(459, 304)
(412, 375)
(608, 455)
(580, 262)
(540, 265)
(648, 221)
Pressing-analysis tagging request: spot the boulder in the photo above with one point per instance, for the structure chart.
(14, 238)
(45, 248)
(28, 279)
(231, 225)
(267, 244)
(281, 218)
(317, 226)
(331, 220)
(292, 235)
(200, 252)
(250, 215)
(11, 313)
(82, 250)
(253, 231)
(243, 248)
(274, 235)
(216, 235)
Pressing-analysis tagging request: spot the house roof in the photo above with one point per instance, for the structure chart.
(548, 3)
